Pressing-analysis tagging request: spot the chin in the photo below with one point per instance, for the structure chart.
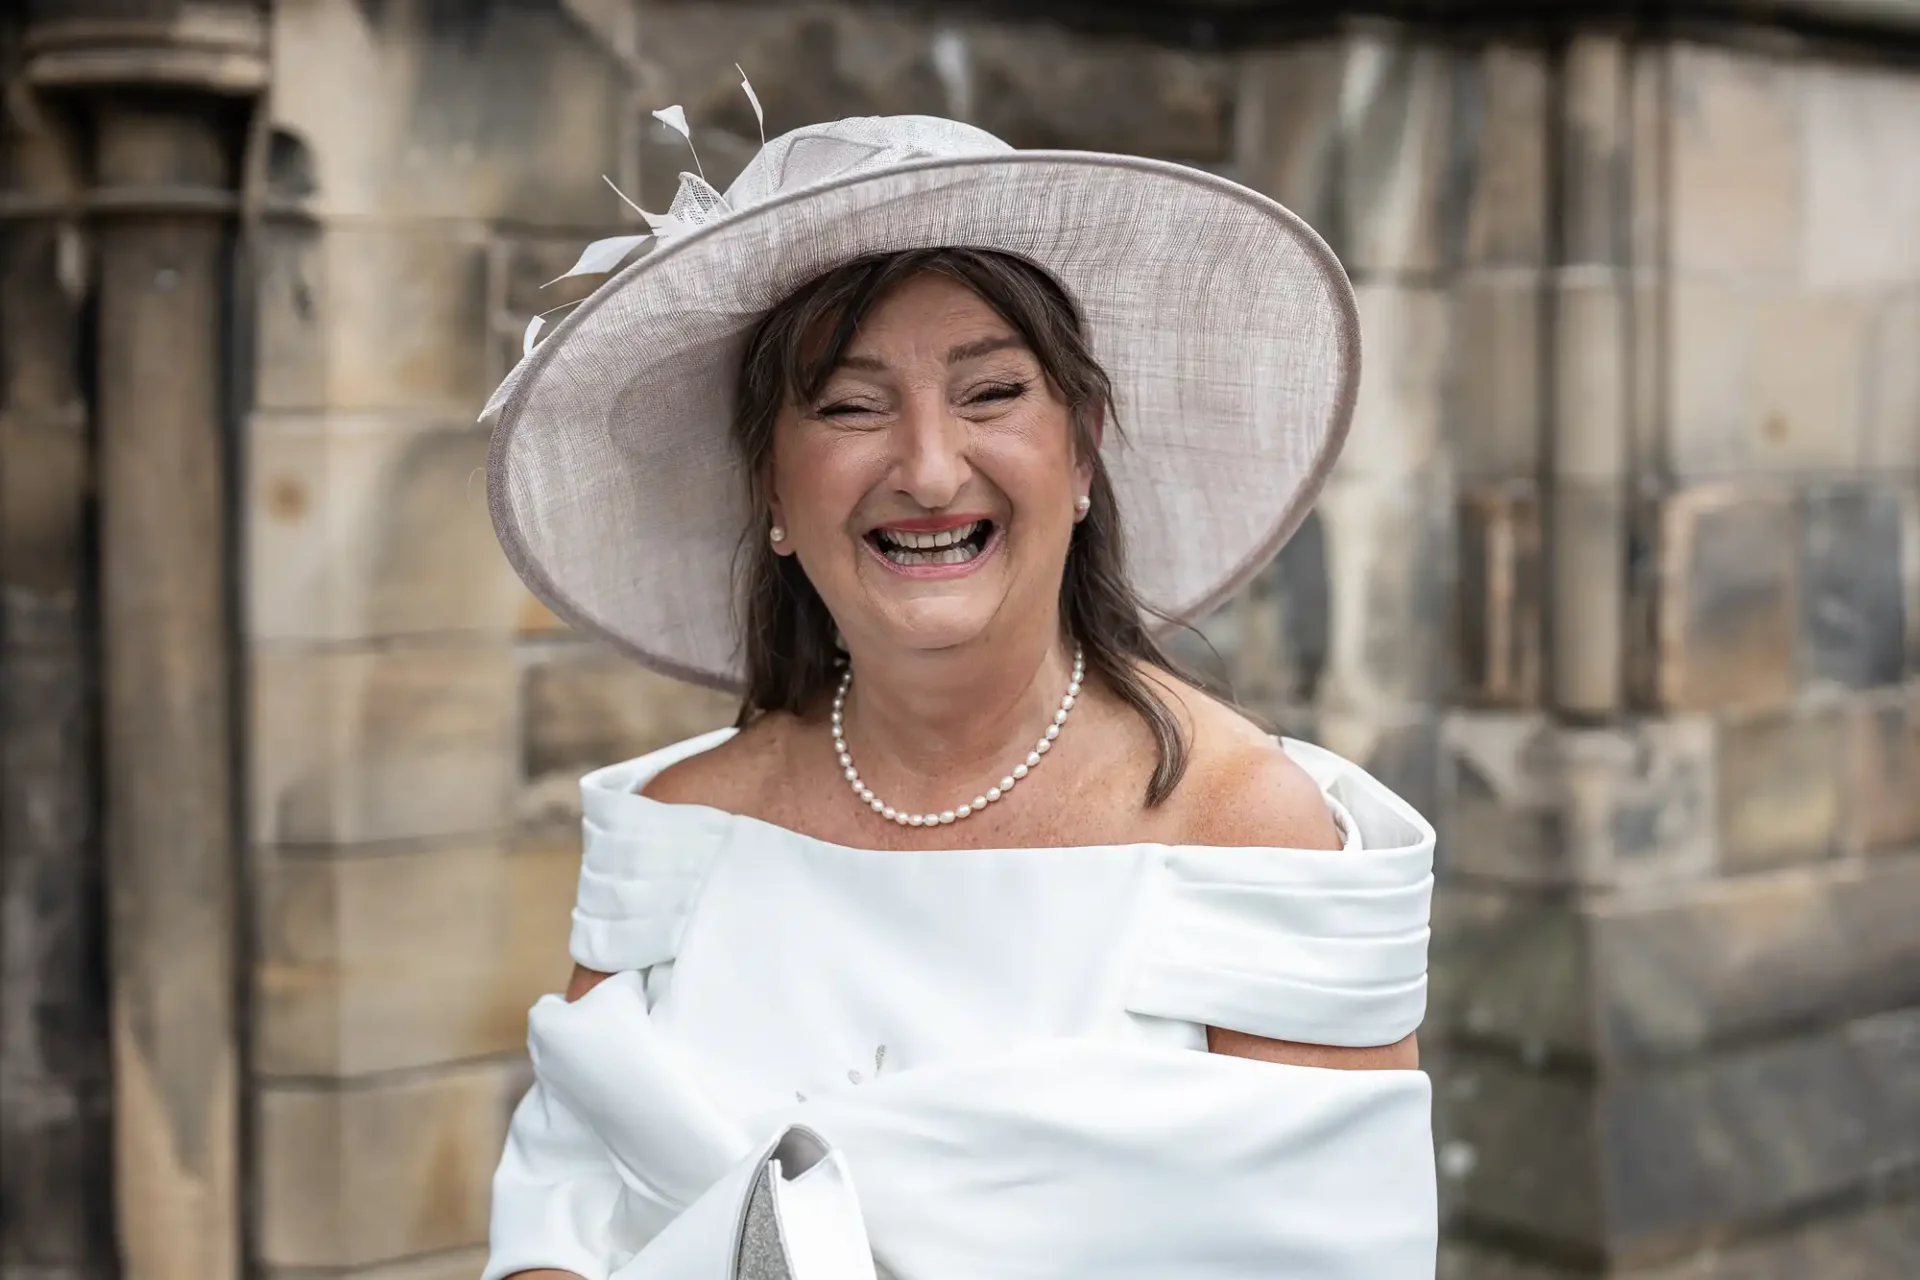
(936, 624)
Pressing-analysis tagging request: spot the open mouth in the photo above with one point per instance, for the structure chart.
(949, 546)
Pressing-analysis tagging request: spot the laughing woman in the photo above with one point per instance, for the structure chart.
(985, 945)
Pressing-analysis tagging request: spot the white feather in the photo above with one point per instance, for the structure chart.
(753, 98)
(675, 118)
(602, 256)
(534, 326)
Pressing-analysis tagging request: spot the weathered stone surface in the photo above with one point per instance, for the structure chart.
(1041, 87)
(398, 960)
(1509, 965)
(1501, 96)
(1519, 1150)
(1867, 1243)
(1288, 140)
(1500, 605)
(1403, 393)
(365, 528)
(1397, 106)
(584, 707)
(1883, 764)
(397, 744)
(1463, 1260)
(1738, 171)
(449, 1264)
(1592, 394)
(1590, 597)
(56, 1177)
(1748, 957)
(360, 316)
(1390, 600)
(383, 1170)
(1597, 150)
(1853, 624)
(454, 111)
(1269, 645)
(1893, 389)
(1782, 780)
(1766, 378)
(1527, 803)
(1494, 408)
(1752, 1134)
(1863, 190)
(1728, 597)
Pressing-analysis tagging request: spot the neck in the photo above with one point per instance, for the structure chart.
(929, 725)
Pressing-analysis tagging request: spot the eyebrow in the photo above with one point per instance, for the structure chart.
(965, 351)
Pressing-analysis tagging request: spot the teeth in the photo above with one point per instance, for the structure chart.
(928, 541)
(939, 555)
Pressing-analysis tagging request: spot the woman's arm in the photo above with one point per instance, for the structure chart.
(1254, 796)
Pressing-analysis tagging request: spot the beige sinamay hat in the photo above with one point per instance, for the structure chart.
(1226, 324)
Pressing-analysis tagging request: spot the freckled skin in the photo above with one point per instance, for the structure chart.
(941, 410)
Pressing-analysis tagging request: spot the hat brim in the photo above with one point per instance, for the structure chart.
(1227, 327)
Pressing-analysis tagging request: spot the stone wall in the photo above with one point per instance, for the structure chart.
(1617, 577)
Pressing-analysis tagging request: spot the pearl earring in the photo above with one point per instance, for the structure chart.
(1083, 504)
(777, 535)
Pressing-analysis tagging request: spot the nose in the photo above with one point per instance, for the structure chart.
(930, 451)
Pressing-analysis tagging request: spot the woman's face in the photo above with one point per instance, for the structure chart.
(929, 490)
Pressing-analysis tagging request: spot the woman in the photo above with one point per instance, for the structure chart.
(986, 944)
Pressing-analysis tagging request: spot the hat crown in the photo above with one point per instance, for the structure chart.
(844, 149)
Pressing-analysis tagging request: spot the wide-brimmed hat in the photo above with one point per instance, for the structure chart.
(1227, 327)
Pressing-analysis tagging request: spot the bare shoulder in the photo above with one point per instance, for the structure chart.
(731, 776)
(1241, 788)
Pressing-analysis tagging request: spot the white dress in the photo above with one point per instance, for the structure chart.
(1000, 1043)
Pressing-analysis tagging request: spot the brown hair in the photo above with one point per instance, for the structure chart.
(793, 659)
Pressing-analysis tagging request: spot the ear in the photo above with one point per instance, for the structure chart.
(1083, 464)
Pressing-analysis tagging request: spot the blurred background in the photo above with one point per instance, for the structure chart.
(1619, 579)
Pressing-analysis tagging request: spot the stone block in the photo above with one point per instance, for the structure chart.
(1741, 959)
(1590, 597)
(362, 316)
(584, 707)
(406, 959)
(1893, 386)
(1766, 379)
(1737, 167)
(508, 112)
(1853, 607)
(1597, 150)
(1509, 966)
(1500, 596)
(1863, 189)
(1396, 105)
(1727, 597)
(1390, 599)
(1697, 1152)
(368, 528)
(395, 744)
(1859, 1242)
(1782, 787)
(1466, 1260)
(1044, 87)
(1494, 409)
(380, 1171)
(56, 1180)
(1883, 764)
(1519, 1151)
(1502, 96)
(1289, 141)
(1528, 803)
(1403, 392)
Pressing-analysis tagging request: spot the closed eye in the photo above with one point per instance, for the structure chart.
(998, 391)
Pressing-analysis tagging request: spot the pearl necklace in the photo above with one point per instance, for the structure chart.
(948, 816)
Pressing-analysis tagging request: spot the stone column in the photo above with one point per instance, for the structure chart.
(159, 92)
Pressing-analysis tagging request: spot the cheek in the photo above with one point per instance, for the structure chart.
(820, 479)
